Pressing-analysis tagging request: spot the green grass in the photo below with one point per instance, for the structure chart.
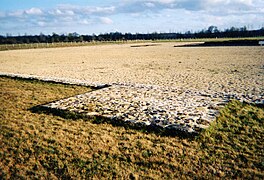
(40, 145)
(236, 141)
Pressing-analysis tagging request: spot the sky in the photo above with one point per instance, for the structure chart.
(32, 17)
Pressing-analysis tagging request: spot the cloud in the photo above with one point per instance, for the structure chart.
(91, 10)
(59, 12)
(2, 14)
(246, 2)
(149, 4)
(14, 14)
(164, 1)
(198, 5)
(33, 11)
(106, 20)
(100, 10)
(136, 14)
(63, 15)
(42, 23)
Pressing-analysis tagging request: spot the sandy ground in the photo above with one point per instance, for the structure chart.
(219, 69)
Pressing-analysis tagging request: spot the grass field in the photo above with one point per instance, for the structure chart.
(5, 47)
(35, 146)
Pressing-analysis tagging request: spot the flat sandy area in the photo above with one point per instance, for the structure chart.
(219, 69)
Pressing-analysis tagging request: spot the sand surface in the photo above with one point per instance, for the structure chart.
(221, 69)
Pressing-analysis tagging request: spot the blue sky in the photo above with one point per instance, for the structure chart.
(142, 16)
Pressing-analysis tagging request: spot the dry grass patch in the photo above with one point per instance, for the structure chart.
(43, 145)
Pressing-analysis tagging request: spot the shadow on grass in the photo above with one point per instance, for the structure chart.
(114, 122)
(258, 105)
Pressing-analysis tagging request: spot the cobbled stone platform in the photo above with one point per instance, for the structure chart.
(185, 110)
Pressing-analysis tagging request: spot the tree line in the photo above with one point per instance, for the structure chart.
(211, 32)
